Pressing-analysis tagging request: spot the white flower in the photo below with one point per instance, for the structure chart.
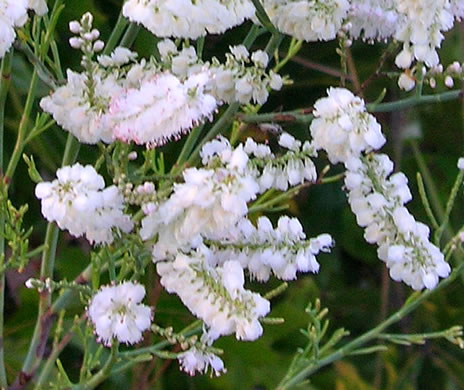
(240, 52)
(403, 243)
(311, 20)
(116, 312)
(421, 28)
(238, 81)
(188, 18)
(406, 81)
(404, 59)
(195, 360)
(342, 126)
(263, 249)
(288, 141)
(291, 169)
(39, 6)
(13, 13)
(160, 109)
(461, 163)
(215, 294)
(166, 47)
(79, 202)
(120, 56)
(81, 111)
(373, 19)
(208, 203)
(260, 58)
(457, 8)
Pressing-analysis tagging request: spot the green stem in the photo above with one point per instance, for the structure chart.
(4, 86)
(101, 375)
(295, 46)
(287, 116)
(263, 17)
(429, 182)
(332, 179)
(130, 35)
(420, 80)
(282, 197)
(187, 149)
(116, 34)
(46, 312)
(255, 32)
(39, 338)
(229, 114)
(411, 304)
(449, 206)
(190, 330)
(425, 201)
(44, 74)
(218, 127)
(274, 43)
(304, 115)
(50, 363)
(45, 316)
(415, 101)
(23, 124)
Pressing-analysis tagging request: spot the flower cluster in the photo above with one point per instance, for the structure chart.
(203, 240)
(310, 20)
(242, 78)
(421, 32)
(79, 202)
(194, 360)
(151, 102)
(418, 24)
(160, 109)
(345, 130)
(209, 202)
(139, 103)
(13, 13)
(372, 19)
(343, 127)
(215, 294)
(188, 18)
(293, 168)
(284, 251)
(270, 171)
(377, 199)
(116, 312)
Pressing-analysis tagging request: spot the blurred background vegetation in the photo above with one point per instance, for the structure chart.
(353, 284)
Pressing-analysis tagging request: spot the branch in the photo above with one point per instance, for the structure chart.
(305, 116)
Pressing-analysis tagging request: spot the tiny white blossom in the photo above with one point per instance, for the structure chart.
(406, 81)
(120, 56)
(461, 163)
(240, 52)
(116, 312)
(194, 360)
(260, 58)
